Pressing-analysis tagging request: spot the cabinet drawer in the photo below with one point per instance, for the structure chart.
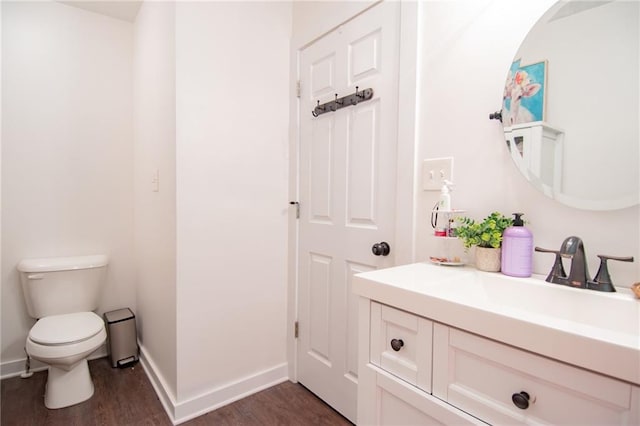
(401, 344)
(480, 376)
(398, 403)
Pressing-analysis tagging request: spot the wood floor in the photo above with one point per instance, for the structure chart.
(126, 397)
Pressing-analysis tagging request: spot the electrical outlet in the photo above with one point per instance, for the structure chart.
(435, 171)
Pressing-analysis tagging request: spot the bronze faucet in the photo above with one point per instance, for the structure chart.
(573, 248)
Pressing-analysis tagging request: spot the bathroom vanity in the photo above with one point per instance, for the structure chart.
(454, 345)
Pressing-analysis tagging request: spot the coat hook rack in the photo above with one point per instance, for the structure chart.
(345, 101)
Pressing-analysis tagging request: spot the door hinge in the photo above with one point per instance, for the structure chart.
(295, 329)
(298, 89)
(297, 204)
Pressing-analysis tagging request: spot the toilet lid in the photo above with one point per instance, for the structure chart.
(66, 328)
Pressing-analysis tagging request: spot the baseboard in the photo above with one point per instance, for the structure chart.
(223, 395)
(17, 367)
(180, 412)
(165, 395)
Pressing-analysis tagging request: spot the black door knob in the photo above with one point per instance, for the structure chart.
(396, 344)
(521, 400)
(381, 249)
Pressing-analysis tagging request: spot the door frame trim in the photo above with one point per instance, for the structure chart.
(406, 174)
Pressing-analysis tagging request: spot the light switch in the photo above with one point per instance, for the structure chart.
(435, 171)
(155, 181)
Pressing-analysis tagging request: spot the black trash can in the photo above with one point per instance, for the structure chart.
(122, 337)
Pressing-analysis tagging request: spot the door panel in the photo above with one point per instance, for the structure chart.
(364, 57)
(320, 171)
(347, 193)
(319, 303)
(362, 166)
(323, 75)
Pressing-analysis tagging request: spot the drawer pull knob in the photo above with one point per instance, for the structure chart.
(396, 344)
(521, 400)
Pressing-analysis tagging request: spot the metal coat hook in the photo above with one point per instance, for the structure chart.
(338, 101)
(334, 105)
(345, 101)
(318, 110)
(355, 99)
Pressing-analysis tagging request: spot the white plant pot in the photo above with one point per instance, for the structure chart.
(488, 259)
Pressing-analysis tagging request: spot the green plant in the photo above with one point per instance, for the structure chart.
(487, 233)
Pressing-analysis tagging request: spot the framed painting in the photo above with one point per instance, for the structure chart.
(525, 93)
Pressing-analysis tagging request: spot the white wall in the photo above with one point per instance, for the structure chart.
(155, 212)
(232, 90)
(66, 150)
(468, 48)
(312, 19)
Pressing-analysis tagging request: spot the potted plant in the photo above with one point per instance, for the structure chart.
(486, 236)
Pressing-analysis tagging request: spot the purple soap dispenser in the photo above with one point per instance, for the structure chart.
(517, 249)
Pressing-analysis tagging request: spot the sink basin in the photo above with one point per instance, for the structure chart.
(594, 330)
(537, 300)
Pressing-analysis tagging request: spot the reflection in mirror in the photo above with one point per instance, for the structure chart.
(571, 111)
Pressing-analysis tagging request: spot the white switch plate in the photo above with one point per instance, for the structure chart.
(155, 181)
(435, 171)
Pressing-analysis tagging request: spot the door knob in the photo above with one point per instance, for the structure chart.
(381, 249)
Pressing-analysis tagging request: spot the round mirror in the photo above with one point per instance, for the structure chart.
(570, 108)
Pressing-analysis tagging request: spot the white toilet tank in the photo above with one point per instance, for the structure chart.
(62, 285)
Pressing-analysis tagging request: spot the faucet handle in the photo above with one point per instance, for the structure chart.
(544, 250)
(557, 274)
(606, 257)
(602, 280)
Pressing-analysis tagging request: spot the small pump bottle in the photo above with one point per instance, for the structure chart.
(517, 249)
(444, 203)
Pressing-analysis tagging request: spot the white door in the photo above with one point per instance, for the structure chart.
(347, 193)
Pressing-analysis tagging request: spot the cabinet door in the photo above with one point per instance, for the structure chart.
(486, 379)
(401, 344)
(398, 403)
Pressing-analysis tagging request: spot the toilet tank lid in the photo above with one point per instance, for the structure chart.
(52, 264)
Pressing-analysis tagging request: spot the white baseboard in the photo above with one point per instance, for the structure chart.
(210, 400)
(167, 399)
(223, 395)
(17, 367)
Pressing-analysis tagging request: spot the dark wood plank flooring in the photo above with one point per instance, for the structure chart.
(126, 397)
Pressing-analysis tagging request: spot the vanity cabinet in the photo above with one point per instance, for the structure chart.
(414, 370)
(401, 345)
(395, 371)
(504, 385)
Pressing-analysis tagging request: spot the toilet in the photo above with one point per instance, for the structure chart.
(62, 293)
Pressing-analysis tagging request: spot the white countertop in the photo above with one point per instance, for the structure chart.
(594, 330)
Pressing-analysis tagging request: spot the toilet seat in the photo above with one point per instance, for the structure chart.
(67, 336)
(66, 329)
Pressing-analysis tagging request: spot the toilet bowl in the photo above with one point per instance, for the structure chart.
(64, 342)
(62, 293)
